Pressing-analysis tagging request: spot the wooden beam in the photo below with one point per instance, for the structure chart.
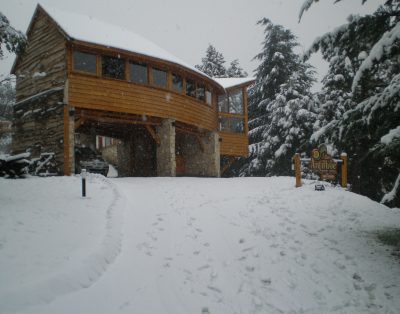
(67, 166)
(80, 122)
(153, 134)
(228, 164)
(117, 120)
(201, 143)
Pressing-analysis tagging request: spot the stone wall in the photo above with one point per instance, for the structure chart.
(110, 154)
(166, 163)
(38, 126)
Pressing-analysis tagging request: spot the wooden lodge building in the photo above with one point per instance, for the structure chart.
(80, 77)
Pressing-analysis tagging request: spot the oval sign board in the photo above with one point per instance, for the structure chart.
(323, 163)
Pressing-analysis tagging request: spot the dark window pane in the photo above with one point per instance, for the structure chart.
(190, 88)
(85, 62)
(236, 101)
(138, 72)
(223, 103)
(201, 92)
(208, 97)
(159, 78)
(177, 83)
(237, 125)
(113, 67)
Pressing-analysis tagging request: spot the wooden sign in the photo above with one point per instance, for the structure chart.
(323, 163)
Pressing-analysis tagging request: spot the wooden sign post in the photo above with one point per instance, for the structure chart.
(343, 157)
(297, 169)
(323, 164)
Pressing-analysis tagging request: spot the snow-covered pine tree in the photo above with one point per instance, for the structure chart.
(281, 109)
(370, 46)
(213, 63)
(13, 40)
(235, 70)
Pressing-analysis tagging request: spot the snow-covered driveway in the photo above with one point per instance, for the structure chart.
(245, 245)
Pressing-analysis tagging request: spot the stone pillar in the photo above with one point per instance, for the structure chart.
(166, 164)
(212, 155)
(201, 153)
(125, 158)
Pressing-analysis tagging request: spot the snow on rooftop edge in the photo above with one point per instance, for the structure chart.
(232, 81)
(90, 29)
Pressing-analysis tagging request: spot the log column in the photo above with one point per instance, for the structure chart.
(166, 164)
(69, 140)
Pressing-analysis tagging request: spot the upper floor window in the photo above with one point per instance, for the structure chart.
(159, 78)
(236, 101)
(138, 72)
(231, 103)
(223, 103)
(113, 67)
(201, 92)
(208, 97)
(85, 62)
(177, 83)
(190, 88)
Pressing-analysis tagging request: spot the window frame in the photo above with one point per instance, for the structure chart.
(123, 60)
(140, 63)
(73, 69)
(230, 116)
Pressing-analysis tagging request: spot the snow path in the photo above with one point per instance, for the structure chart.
(40, 227)
(245, 245)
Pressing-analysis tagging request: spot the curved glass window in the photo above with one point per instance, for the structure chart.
(159, 78)
(138, 72)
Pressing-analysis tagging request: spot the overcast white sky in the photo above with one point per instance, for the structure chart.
(186, 27)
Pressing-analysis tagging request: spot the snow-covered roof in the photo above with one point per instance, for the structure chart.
(233, 81)
(89, 29)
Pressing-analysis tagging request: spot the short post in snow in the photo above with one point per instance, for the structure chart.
(297, 169)
(83, 175)
(343, 157)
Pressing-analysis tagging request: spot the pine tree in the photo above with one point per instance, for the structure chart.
(235, 70)
(281, 108)
(365, 52)
(213, 63)
(13, 40)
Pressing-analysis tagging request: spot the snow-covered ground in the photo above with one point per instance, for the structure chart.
(192, 245)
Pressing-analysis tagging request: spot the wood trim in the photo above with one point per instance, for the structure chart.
(245, 110)
(153, 134)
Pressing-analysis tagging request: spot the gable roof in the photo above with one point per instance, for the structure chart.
(88, 29)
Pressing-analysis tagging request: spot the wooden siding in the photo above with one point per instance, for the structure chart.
(120, 96)
(233, 144)
(43, 65)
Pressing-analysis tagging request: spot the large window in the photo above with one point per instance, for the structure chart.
(230, 124)
(177, 83)
(236, 102)
(231, 103)
(201, 92)
(190, 88)
(113, 67)
(159, 78)
(208, 97)
(85, 62)
(231, 110)
(138, 72)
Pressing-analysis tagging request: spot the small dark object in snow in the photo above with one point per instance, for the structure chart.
(319, 187)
